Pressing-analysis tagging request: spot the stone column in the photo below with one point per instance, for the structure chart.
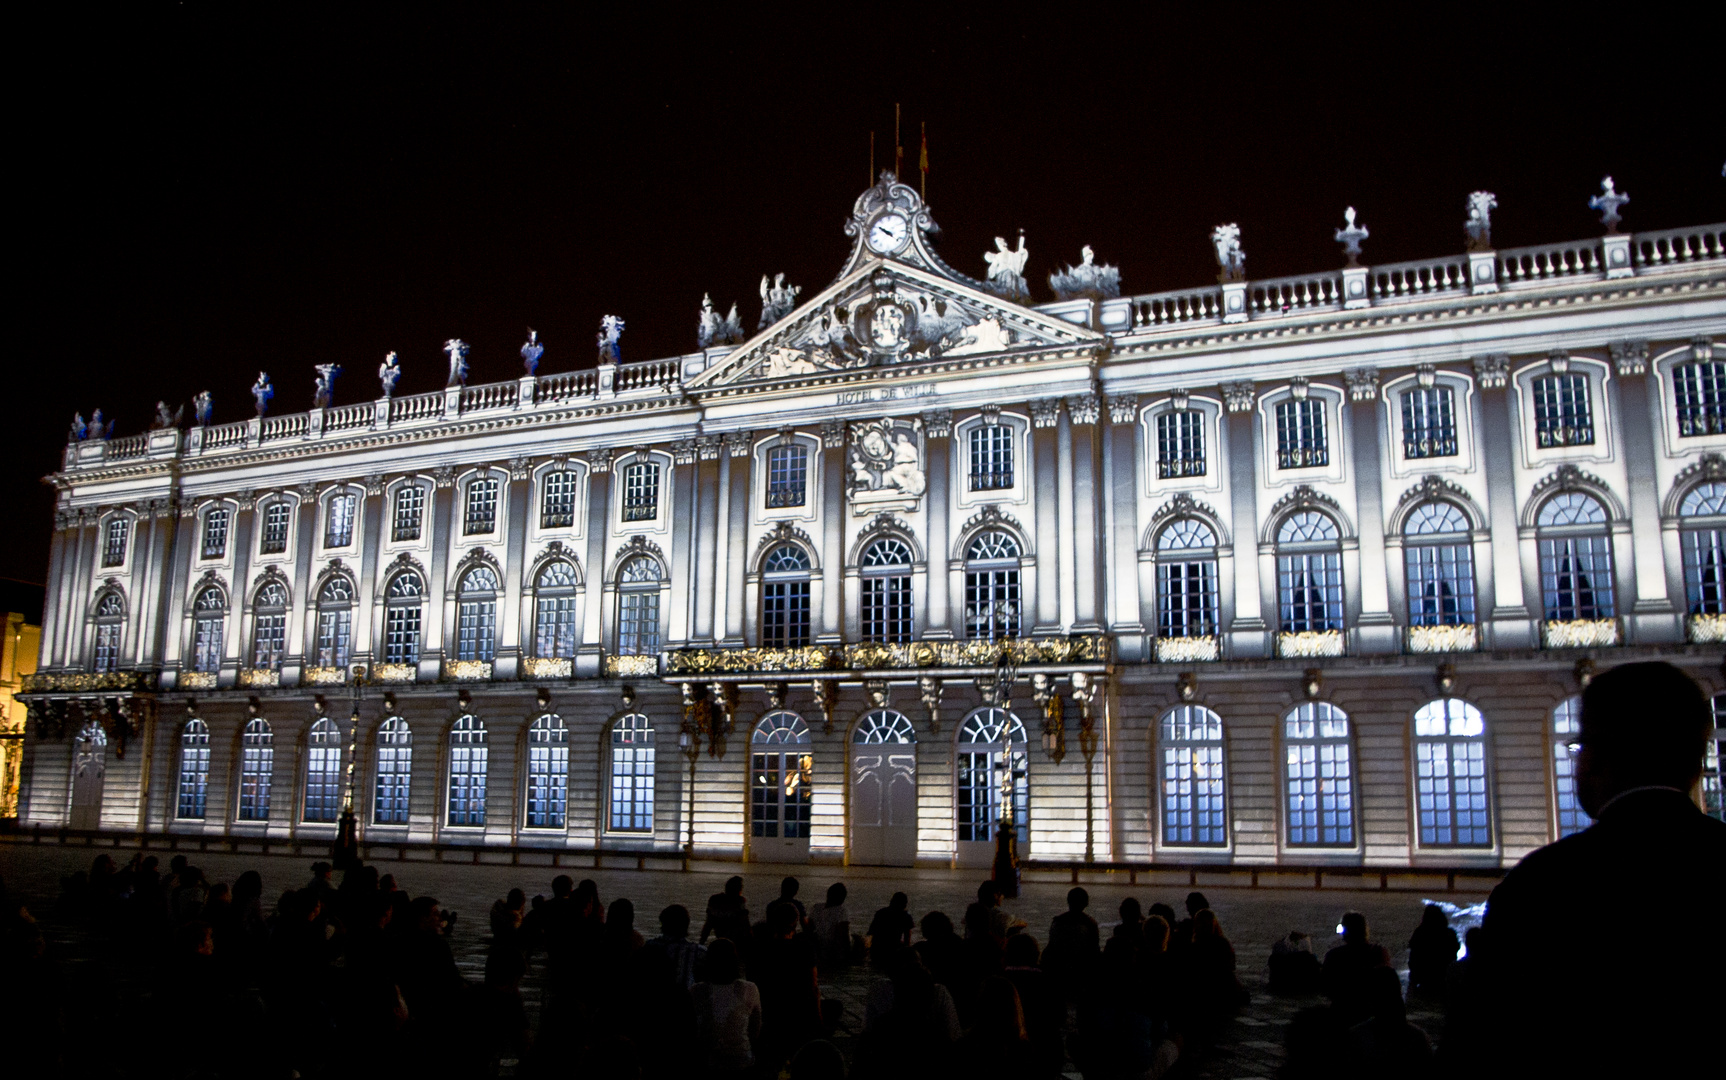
(587, 657)
(707, 554)
(1248, 633)
(1084, 410)
(1653, 617)
(183, 520)
(156, 588)
(140, 614)
(374, 517)
(1121, 464)
(54, 611)
(432, 630)
(514, 564)
(734, 555)
(937, 614)
(1066, 513)
(78, 588)
(832, 533)
(299, 600)
(1044, 478)
(1511, 624)
(683, 561)
(1375, 628)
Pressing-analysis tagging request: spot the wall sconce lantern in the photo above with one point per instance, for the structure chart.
(1312, 683)
(1187, 686)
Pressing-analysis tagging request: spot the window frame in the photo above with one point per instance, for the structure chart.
(270, 624)
(778, 737)
(108, 636)
(341, 518)
(1302, 432)
(563, 486)
(1434, 560)
(116, 541)
(407, 513)
(1564, 726)
(1001, 579)
(991, 457)
(469, 744)
(392, 773)
(1425, 747)
(787, 600)
(998, 742)
(631, 774)
(404, 643)
(1185, 762)
(1562, 418)
(639, 630)
(257, 771)
(1435, 412)
(1183, 430)
(214, 528)
(481, 509)
(192, 790)
(559, 600)
(324, 770)
(787, 473)
(1702, 547)
(641, 490)
(209, 630)
(275, 537)
(1335, 613)
(546, 777)
(1299, 821)
(886, 606)
(1206, 559)
(1598, 559)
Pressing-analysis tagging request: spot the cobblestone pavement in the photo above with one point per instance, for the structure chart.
(1253, 919)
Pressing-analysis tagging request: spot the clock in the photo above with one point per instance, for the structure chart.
(888, 234)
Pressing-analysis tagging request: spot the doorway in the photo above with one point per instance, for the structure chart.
(89, 769)
(884, 790)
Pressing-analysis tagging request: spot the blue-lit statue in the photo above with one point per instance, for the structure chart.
(262, 392)
(531, 352)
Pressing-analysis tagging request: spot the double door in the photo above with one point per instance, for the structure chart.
(884, 805)
(779, 804)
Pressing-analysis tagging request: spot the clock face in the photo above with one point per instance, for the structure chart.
(889, 233)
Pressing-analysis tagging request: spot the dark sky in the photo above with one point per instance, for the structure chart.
(211, 189)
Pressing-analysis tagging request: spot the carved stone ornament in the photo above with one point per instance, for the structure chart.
(1426, 375)
(737, 443)
(1709, 466)
(1568, 477)
(307, 490)
(1492, 371)
(1298, 388)
(833, 434)
(938, 423)
(245, 498)
(1303, 497)
(1630, 357)
(520, 468)
(1608, 202)
(1478, 226)
(885, 464)
(374, 483)
(599, 459)
(683, 451)
(1434, 487)
(1123, 408)
(1183, 505)
(1231, 260)
(1702, 349)
(708, 446)
(991, 415)
(1084, 408)
(1362, 384)
(1238, 397)
(990, 516)
(444, 476)
(637, 545)
(1559, 360)
(560, 463)
(1350, 237)
(1045, 412)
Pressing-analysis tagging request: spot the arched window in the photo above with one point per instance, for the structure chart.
(395, 772)
(547, 772)
(468, 760)
(476, 615)
(1699, 392)
(632, 774)
(209, 621)
(270, 626)
(1440, 566)
(1319, 776)
(257, 769)
(194, 770)
(1186, 579)
(335, 623)
(1309, 573)
(785, 598)
(402, 601)
(638, 607)
(886, 601)
(781, 768)
(554, 610)
(1575, 558)
(323, 771)
(992, 781)
(1450, 774)
(992, 586)
(1702, 521)
(110, 627)
(884, 726)
(1566, 725)
(1195, 809)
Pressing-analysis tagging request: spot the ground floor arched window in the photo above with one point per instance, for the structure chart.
(1450, 774)
(547, 772)
(780, 767)
(194, 770)
(257, 769)
(1194, 798)
(323, 771)
(468, 760)
(395, 768)
(632, 764)
(1319, 776)
(992, 786)
(1566, 726)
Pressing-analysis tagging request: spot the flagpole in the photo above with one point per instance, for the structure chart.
(898, 147)
(923, 159)
(871, 160)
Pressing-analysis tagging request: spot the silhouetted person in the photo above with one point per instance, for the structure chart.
(818, 1060)
(1386, 1044)
(1346, 967)
(1214, 992)
(943, 954)
(1073, 947)
(830, 923)
(676, 959)
(912, 1023)
(1129, 932)
(728, 916)
(1294, 969)
(1123, 1034)
(996, 1045)
(788, 890)
(1431, 952)
(782, 965)
(727, 1014)
(890, 932)
(1005, 869)
(1633, 1008)
(1041, 1000)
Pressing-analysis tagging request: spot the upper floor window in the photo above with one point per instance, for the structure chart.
(1450, 774)
(638, 607)
(339, 519)
(409, 514)
(402, 602)
(194, 770)
(1440, 562)
(394, 773)
(1186, 579)
(557, 500)
(1562, 416)
(277, 515)
(114, 541)
(885, 605)
(110, 624)
(991, 457)
(270, 626)
(215, 532)
(1194, 799)
(554, 611)
(1566, 726)
(1699, 391)
(1702, 521)
(641, 491)
(335, 623)
(631, 808)
(480, 515)
(1180, 443)
(1429, 422)
(1300, 434)
(476, 615)
(1309, 573)
(209, 620)
(992, 586)
(787, 476)
(785, 598)
(1575, 558)
(1319, 777)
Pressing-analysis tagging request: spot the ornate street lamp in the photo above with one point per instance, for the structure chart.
(698, 724)
(345, 852)
(1084, 690)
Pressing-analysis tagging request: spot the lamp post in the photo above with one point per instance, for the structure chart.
(1084, 690)
(697, 724)
(345, 852)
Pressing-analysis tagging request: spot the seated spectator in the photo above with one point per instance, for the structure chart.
(788, 889)
(912, 1024)
(818, 1060)
(727, 1012)
(1294, 968)
(782, 966)
(1167, 914)
(1122, 1034)
(996, 1045)
(1431, 952)
(943, 954)
(890, 931)
(1129, 932)
(1215, 992)
(830, 922)
(728, 915)
(1183, 930)
(985, 919)
(1386, 1044)
(671, 955)
(1345, 968)
(1073, 943)
(1040, 999)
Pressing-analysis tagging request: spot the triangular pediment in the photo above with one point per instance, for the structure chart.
(884, 312)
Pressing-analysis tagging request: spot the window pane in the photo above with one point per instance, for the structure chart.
(1704, 567)
(1428, 422)
(194, 770)
(991, 604)
(323, 772)
(1180, 443)
(641, 491)
(638, 623)
(1193, 795)
(1576, 577)
(410, 511)
(557, 503)
(784, 614)
(1699, 391)
(402, 633)
(1301, 435)
(207, 635)
(276, 518)
(1318, 776)
(554, 627)
(1450, 775)
(991, 457)
(1440, 584)
(886, 609)
(339, 521)
(481, 513)
(1562, 416)
(468, 759)
(1187, 598)
(1566, 723)
(787, 475)
(632, 763)
(216, 533)
(1310, 590)
(269, 637)
(257, 766)
(547, 773)
(114, 543)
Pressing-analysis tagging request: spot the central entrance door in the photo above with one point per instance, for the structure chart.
(89, 768)
(884, 790)
(780, 770)
(991, 790)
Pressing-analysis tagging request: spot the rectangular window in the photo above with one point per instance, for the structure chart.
(1700, 393)
(1440, 584)
(468, 760)
(114, 542)
(1310, 588)
(410, 512)
(1451, 788)
(991, 604)
(1576, 577)
(784, 614)
(207, 645)
(641, 491)
(638, 624)
(557, 502)
(108, 647)
(1704, 570)
(1300, 434)
(270, 641)
(1321, 809)
(335, 637)
(1429, 423)
(554, 630)
(476, 630)
(991, 457)
(787, 476)
(1561, 413)
(480, 517)
(886, 609)
(216, 532)
(1181, 443)
(1193, 813)
(339, 520)
(1187, 598)
(402, 634)
(276, 518)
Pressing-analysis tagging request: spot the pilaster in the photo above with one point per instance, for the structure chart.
(1375, 628)
(592, 647)
(1512, 625)
(1083, 412)
(1122, 463)
(937, 615)
(1063, 557)
(1248, 633)
(1653, 617)
(54, 610)
(707, 555)
(735, 557)
(683, 553)
(509, 629)
(184, 522)
(374, 512)
(431, 633)
(831, 624)
(1045, 466)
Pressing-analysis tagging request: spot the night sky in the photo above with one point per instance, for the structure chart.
(214, 189)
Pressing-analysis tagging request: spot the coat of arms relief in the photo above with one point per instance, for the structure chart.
(886, 465)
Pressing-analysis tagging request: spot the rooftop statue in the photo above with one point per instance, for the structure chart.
(1231, 260)
(1007, 270)
(610, 330)
(202, 407)
(1087, 281)
(531, 351)
(1350, 237)
(388, 373)
(262, 392)
(1481, 204)
(457, 350)
(325, 386)
(80, 429)
(1608, 202)
(712, 330)
(99, 428)
(777, 300)
(165, 419)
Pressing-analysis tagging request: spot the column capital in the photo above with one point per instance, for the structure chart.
(1362, 384)
(1238, 397)
(708, 447)
(1123, 408)
(1084, 408)
(599, 459)
(833, 434)
(683, 451)
(520, 468)
(938, 423)
(1045, 412)
(1492, 370)
(737, 443)
(1630, 357)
